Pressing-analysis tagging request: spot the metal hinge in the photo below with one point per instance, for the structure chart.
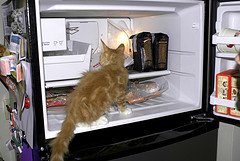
(202, 118)
(44, 154)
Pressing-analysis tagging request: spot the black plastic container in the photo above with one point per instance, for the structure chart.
(150, 51)
(142, 51)
(160, 51)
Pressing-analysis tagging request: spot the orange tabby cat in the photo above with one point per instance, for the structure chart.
(93, 96)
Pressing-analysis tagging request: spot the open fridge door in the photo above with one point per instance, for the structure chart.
(226, 40)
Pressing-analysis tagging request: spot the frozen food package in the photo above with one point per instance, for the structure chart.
(142, 91)
(57, 101)
(57, 97)
(160, 51)
(142, 52)
(150, 51)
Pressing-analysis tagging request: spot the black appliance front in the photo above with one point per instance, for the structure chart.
(143, 136)
(134, 138)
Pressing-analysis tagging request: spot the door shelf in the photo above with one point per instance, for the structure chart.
(226, 116)
(225, 40)
(226, 55)
(228, 103)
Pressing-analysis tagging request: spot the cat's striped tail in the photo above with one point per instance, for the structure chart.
(60, 144)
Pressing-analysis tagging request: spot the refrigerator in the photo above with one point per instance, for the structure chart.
(63, 40)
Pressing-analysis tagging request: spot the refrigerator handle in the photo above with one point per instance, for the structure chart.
(202, 118)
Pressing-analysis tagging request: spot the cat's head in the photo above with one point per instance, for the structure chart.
(112, 56)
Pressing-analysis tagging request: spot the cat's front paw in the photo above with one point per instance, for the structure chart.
(82, 125)
(101, 121)
(127, 111)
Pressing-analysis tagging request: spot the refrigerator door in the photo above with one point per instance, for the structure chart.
(225, 43)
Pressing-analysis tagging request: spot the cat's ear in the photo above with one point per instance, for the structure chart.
(121, 48)
(105, 47)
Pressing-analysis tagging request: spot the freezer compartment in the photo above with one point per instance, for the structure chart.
(183, 22)
(227, 43)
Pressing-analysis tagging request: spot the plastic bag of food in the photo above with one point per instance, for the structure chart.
(142, 91)
(57, 97)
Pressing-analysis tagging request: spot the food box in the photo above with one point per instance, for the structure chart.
(227, 87)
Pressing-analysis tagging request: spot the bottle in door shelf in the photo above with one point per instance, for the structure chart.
(228, 87)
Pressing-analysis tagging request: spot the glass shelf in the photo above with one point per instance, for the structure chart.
(64, 83)
(148, 74)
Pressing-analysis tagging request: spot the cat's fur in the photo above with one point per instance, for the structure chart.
(93, 96)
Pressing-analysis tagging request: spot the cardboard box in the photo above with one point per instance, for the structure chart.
(227, 87)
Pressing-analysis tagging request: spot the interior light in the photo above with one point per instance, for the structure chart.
(122, 38)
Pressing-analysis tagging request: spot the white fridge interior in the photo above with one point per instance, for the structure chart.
(228, 16)
(182, 21)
